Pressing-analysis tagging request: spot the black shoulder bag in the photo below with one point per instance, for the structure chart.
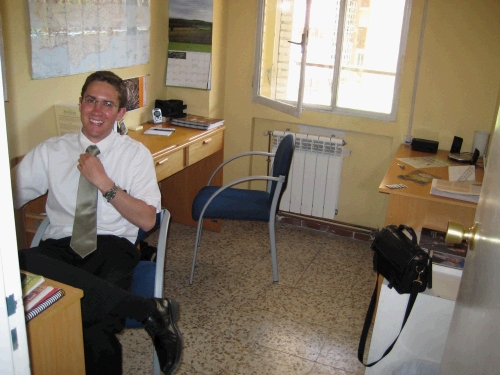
(407, 268)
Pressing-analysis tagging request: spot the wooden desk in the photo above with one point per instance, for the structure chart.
(415, 206)
(55, 336)
(184, 162)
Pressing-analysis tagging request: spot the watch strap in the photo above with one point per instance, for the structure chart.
(110, 194)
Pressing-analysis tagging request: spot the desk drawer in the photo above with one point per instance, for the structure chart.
(169, 164)
(205, 147)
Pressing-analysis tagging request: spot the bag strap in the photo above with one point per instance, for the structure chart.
(369, 317)
(409, 230)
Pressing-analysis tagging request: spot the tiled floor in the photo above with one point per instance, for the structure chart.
(234, 320)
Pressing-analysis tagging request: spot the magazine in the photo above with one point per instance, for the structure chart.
(418, 176)
(456, 189)
(441, 252)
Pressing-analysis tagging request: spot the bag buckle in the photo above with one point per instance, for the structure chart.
(417, 280)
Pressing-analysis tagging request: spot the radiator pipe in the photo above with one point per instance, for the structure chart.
(330, 222)
(269, 133)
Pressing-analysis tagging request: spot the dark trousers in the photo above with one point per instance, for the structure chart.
(105, 277)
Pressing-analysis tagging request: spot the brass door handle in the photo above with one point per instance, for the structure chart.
(456, 234)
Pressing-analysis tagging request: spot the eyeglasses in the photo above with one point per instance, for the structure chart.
(104, 104)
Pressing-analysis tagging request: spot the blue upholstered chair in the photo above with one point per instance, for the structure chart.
(226, 202)
(148, 277)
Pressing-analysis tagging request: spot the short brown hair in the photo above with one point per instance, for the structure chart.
(113, 80)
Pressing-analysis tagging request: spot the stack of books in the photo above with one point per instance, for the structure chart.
(37, 296)
(197, 122)
(441, 252)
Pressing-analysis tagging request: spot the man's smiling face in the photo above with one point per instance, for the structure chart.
(99, 109)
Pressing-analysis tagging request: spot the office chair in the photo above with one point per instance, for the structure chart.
(216, 202)
(148, 276)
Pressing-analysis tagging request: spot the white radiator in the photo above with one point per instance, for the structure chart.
(314, 180)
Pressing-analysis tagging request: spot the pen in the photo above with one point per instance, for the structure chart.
(164, 129)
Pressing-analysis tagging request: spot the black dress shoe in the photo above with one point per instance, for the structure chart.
(161, 326)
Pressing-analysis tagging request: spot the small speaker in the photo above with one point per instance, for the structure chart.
(424, 145)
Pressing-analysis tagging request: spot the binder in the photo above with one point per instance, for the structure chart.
(44, 305)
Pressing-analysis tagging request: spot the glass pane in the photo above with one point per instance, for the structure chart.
(280, 63)
(370, 52)
(323, 25)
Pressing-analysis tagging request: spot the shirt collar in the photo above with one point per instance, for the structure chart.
(103, 145)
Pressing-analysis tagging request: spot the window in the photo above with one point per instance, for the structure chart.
(341, 56)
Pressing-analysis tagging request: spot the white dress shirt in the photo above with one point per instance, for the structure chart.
(52, 167)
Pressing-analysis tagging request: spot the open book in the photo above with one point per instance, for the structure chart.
(455, 189)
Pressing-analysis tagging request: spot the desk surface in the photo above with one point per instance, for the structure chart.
(415, 190)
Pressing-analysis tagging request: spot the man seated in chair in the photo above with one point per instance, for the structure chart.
(99, 256)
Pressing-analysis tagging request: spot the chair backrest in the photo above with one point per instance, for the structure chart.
(282, 162)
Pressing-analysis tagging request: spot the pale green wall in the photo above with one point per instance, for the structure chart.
(457, 91)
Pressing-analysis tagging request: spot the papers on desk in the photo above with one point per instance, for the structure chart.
(158, 130)
(456, 189)
(462, 173)
(426, 162)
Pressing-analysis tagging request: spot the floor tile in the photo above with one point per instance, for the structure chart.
(303, 340)
(262, 360)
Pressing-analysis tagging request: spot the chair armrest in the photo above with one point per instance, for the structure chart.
(250, 153)
(39, 232)
(279, 180)
(160, 253)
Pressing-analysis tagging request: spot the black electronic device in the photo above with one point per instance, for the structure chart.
(456, 146)
(465, 157)
(172, 108)
(424, 145)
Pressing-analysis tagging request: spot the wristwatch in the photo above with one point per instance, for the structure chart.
(110, 194)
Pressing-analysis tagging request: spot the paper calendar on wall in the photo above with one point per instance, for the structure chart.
(189, 69)
(190, 43)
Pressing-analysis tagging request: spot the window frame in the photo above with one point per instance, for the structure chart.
(295, 109)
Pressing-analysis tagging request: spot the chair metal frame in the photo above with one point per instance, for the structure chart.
(272, 217)
(163, 219)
